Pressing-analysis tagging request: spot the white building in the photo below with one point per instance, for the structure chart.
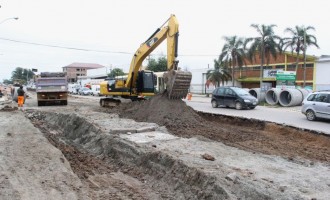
(322, 74)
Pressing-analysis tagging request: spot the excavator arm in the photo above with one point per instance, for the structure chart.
(177, 82)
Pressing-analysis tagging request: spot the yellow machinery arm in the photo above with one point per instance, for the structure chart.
(177, 82)
(140, 83)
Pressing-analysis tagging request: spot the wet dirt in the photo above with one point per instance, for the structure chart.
(247, 134)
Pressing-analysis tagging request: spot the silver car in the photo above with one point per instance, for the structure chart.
(317, 105)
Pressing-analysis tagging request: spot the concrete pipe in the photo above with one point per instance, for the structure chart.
(290, 97)
(304, 92)
(272, 96)
(257, 94)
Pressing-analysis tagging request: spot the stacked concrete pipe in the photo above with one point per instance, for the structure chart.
(292, 97)
(272, 96)
(257, 94)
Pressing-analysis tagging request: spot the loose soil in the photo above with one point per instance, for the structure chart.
(108, 167)
(247, 134)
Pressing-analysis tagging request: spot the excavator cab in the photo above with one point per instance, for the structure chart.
(145, 82)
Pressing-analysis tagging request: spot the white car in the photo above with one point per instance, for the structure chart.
(317, 105)
(85, 91)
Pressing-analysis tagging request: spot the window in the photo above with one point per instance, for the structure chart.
(311, 97)
(221, 91)
(229, 92)
(321, 98)
(256, 68)
(268, 67)
(77, 70)
(279, 66)
(291, 67)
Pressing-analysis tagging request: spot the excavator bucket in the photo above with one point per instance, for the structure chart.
(177, 83)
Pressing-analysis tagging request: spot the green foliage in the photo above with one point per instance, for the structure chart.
(267, 43)
(21, 75)
(296, 41)
(159, 65)
(7, 81)
(116, 72)
(233, 54)
(219, 74)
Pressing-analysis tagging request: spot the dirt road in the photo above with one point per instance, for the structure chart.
(83, 151)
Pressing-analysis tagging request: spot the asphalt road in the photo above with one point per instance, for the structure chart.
(291, 116)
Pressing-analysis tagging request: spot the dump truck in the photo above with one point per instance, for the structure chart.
(52, 88)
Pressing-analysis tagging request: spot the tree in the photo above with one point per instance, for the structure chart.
(157, 66)
(233, 54)
(7, 81)
(116, 72)
(264, 45)
(21, 75)
(219, 74)
(299, 41)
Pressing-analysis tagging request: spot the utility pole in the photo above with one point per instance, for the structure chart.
(304, 84)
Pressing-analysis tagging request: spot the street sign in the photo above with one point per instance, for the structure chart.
(285, 79)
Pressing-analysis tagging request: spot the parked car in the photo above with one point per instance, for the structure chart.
(85, 91)
(316, 105)
(73, 88)
(233, 97)
(95, 90)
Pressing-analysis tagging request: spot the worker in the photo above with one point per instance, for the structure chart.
(20, 96)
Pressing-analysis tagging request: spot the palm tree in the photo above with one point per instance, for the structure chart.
(264, 45)
(17, 75)
(233, 54)
(219, 74)
(299, 41)
(21, 75)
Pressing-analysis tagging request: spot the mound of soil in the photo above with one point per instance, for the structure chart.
(247, 134)
(160, 110)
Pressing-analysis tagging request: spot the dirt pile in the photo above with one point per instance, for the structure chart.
(173, 114)
(247, 134)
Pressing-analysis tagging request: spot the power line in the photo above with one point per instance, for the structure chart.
(94, 50)
(63, 47)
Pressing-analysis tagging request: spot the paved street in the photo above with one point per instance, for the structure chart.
(282, 115)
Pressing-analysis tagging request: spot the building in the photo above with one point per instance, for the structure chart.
(79, 69)
(322, 72)
(249, 75)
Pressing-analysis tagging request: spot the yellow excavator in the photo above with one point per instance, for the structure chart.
(139, 83)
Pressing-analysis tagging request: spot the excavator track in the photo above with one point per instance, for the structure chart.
(111, 102)
(177, 83)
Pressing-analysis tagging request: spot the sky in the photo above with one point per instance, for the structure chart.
(52, 34)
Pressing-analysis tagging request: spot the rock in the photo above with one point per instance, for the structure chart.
(208, 157)
(232, 177)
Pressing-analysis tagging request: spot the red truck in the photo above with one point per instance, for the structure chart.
(52, 88)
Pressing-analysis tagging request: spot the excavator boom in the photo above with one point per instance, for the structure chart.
(177, 82)
(140, 83)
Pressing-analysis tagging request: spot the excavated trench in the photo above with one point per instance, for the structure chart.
(166, 150)
(96, 147)
(167, 177)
